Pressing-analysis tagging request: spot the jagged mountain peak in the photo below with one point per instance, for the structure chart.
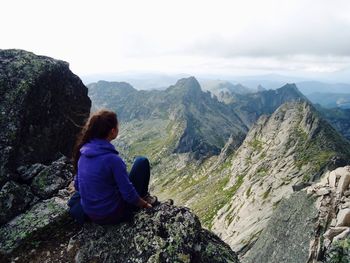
(122, 86)
(260, 88)
(291, 89)
(186, 86)
(190, 81)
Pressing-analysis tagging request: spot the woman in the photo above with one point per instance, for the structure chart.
(108, 194)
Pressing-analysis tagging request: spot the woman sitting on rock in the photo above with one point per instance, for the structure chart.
(105, 191)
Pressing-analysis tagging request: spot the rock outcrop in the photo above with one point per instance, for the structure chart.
(162, 234)
(333, 204)
(42, 107)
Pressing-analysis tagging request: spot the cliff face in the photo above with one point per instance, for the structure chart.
(288, 235)
(42, 105)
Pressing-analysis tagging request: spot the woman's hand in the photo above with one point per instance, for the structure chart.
(148, 205)
(143, 204)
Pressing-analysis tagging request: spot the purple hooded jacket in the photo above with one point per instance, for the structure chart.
(102, 179)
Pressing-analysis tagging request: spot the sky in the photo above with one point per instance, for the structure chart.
(299, 37)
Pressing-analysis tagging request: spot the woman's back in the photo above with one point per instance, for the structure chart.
(98, 166)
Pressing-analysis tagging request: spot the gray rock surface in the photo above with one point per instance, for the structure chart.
(288, 234)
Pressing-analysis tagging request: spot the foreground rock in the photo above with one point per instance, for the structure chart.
(42, 105)
(162, 234)
(332, 242)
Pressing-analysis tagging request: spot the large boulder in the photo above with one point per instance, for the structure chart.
(42, 105)
(164, 233)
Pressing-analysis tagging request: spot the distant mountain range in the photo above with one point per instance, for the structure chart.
(146, 81)
(331, 100)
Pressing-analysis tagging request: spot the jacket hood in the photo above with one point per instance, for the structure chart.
(97, 147)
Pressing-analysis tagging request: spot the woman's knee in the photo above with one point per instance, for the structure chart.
(141, 160)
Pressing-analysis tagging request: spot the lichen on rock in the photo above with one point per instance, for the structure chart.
(162, 234)
(165, 233)
(14, 198)
(52, 178)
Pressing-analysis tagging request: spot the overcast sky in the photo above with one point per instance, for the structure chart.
(300, 37)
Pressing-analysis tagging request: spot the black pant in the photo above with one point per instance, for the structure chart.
(139, 175)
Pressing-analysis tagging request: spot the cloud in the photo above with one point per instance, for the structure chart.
(116, 35)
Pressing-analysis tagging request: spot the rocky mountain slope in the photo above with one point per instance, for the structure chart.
(37, 181)
(235, 193)
(331, 100)
(292, 146)
(251, 106)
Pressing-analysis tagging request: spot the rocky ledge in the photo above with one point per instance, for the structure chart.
(165, 233)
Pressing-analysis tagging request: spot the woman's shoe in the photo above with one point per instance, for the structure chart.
(153, 200)
(168, 202)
